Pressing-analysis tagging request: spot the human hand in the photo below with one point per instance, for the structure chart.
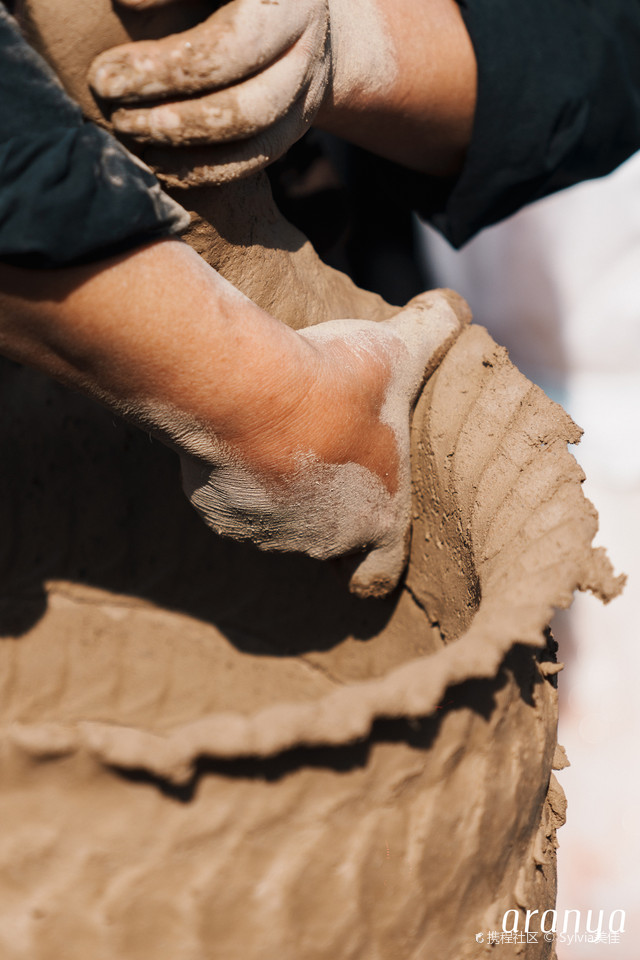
(334, 477)
(296, 441)
(250, 79)
(246, 83)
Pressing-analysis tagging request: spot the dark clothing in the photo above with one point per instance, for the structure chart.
(558, 102)
(69, 192)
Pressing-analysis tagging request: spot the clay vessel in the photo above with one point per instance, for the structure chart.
(213, 754)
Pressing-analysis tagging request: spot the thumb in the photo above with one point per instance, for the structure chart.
(428, 326)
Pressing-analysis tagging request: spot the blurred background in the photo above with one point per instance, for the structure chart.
(559, 285)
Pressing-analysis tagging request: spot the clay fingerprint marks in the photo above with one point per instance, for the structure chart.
(529, 452)
(441, 566)
(532, 526)
(519, 577)
(500, 446)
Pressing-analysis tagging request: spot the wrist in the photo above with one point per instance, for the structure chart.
(420, 111)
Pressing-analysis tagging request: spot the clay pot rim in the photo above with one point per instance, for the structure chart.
(515, 609)
(413, 690)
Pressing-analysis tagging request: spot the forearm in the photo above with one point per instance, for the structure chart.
(420, 111)
(155, 333)
(296, 441)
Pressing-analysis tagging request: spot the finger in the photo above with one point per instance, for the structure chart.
(428, 325)
(235, 113)
(438, 298)
(241, 38)
(380, 571)
(196, 166)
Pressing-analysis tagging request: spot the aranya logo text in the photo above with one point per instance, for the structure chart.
(572, 921)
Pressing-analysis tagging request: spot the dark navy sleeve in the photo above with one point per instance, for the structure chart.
(69, 192)
(558, 103)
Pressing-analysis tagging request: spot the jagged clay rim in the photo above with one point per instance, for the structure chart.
(347, 714)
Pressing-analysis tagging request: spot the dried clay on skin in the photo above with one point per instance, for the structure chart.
(253, 75)
(326, 509)
(362, 48)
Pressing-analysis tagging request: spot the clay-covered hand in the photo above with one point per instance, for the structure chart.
(335, 478)
(250, 79)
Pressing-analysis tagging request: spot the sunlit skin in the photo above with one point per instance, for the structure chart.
(161, 338)
(127, 331)
(424, 118)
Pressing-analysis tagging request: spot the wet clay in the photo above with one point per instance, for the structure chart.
(327, 510)
(211, 752)
(208, 752)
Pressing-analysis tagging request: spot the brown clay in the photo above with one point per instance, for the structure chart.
(209, 752)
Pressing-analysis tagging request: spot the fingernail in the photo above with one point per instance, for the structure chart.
(109, 81)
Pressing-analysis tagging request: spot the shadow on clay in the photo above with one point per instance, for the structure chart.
(88, 499)
(418, 733)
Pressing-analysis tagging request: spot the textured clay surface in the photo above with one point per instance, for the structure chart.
(209, 753)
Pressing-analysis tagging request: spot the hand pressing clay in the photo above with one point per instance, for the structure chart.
(253, 76)
(392, 76)
(336, 480)
(296, 441)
